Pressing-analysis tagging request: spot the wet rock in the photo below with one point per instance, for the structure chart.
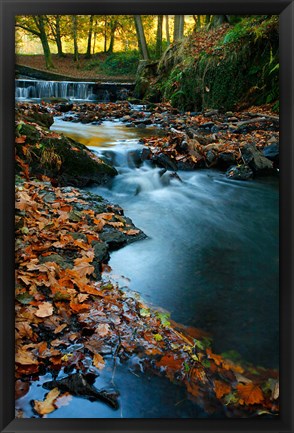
(114, 239)
(226, 159)
(64, 108)
(62, 159)
(239, 172)
(101, 251)
(255, 160)
(207, 125)
(210, 113)
(211, 157)
(165, 161)
(80, 385)
(56, 258)
(272, 152)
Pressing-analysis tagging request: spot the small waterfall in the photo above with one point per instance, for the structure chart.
(27, 89)
(83, 91)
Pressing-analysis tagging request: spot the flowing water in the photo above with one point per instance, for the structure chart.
(211, 257)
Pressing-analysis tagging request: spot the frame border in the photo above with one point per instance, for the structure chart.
(10, 8)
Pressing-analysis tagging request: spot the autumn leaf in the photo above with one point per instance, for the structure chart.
(21, 139)
(221, 388)
(102, 329)
(21, 388)
(47, 406)
(25, 357)
(77, 308)
(44, 310)
(249, 393)
(98, 361)
(132, 232)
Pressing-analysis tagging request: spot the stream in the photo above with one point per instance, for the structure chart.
(210, 259)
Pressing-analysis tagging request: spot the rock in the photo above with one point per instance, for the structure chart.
(226, 159)
(164, 161)
(80, 385)
(272, 152)
(62, 159)
(239, 172)
(113, 238)
(64, 108)
(56, 258)
(101, 251)
(207, 125)
(255, 160)
(211, 158)
(210, 113)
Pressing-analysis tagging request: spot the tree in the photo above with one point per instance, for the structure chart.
(88, 53)
(36, 25)
(113, 26)
(167, 30)
(55, 27)
(75, 37)
(159, 36)
(141, 37)
(178, 27)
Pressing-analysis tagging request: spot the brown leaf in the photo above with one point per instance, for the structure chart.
(21, 388)
(249, 393)
(132, 232)
(102, 329)
(47, 406)
(44, 310)
(24, 357)
(221, 388)
(98, 361)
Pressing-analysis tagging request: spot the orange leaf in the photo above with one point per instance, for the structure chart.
(77, 308)
(221, 388)
(249, 393)
(98, 361)
(47, 406)
(102, 329)
(132, 232)
(21, 139)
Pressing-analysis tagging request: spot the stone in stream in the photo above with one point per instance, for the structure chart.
(164, 161)
(239, 172)
(79, 385)
(226, 159)
(255, 160)
(272, 152)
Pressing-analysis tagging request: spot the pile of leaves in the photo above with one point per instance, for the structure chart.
(68, 319)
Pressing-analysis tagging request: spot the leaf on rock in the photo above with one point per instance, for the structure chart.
(48, 405)
(249, 393)
(24, 357)
(132, 232)
(98, 361)
(221, 388)
(44, 310)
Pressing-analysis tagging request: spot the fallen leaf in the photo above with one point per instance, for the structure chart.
(24, 357)
(131, 232)
(44, 310)
(47, 406)
(63, 400)
(102, 329)
(221, 388)
(98, 361)
(21, 388)
(249, 393)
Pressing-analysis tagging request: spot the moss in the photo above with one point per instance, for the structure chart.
(242, 68)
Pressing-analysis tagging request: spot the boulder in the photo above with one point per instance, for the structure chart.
(255, 160)
(272, 152)
(239, 172)
(165, 161)
(60, 158)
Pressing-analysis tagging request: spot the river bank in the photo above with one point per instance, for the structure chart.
(87, 322)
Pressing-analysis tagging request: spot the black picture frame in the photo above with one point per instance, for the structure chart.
(10, 8)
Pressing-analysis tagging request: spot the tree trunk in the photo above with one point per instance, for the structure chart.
(158, 49)
(58, 37)
(95, 36)
(105, 34)
(167, 30)
(75, 39)
(88, 53)
(141, 37)
(40, 22)
(178, 27)
(113, 26)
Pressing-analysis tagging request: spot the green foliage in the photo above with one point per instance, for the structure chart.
(120, 63)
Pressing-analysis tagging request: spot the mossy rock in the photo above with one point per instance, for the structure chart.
(60, 158)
